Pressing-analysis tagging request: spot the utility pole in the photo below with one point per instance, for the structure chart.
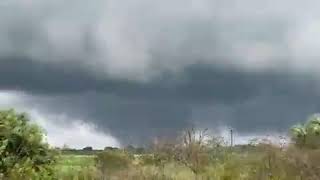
(231, 137)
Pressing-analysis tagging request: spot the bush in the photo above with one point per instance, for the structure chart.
(109, 161)
(190, 149)
(307, 135)
(22, 150)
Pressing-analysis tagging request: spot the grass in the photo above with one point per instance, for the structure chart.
(75, 161)
(192, 159)
(73, 166)
(260, 162)
(191, 156)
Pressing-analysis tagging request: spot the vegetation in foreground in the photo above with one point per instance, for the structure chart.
(192, 156)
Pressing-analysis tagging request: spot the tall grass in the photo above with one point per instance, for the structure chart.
(193, 156)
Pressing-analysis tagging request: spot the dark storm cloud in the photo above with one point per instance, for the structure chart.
(201, 95)
(139, 40)
(140, 69)
(196, 84)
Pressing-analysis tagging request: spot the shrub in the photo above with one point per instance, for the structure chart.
(190, 149)
(307, 134)
(22, 150)
(109, 161)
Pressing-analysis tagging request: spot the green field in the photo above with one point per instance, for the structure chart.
(263, 162)
(73, 166)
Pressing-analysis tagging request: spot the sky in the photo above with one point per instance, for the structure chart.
(117, 72)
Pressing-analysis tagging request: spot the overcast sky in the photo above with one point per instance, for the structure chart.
(113, 72)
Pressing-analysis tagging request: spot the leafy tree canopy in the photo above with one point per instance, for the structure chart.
(307, 134)
(22, 148)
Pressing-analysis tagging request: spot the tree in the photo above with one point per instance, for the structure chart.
(65, 147)
(21, 146)
(307, 134)
(298, 134)
(88, 148)
(190, 149)
(109, 148)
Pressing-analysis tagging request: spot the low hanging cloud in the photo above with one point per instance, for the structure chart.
(141, 69)
(60, 129)
(78, 134)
